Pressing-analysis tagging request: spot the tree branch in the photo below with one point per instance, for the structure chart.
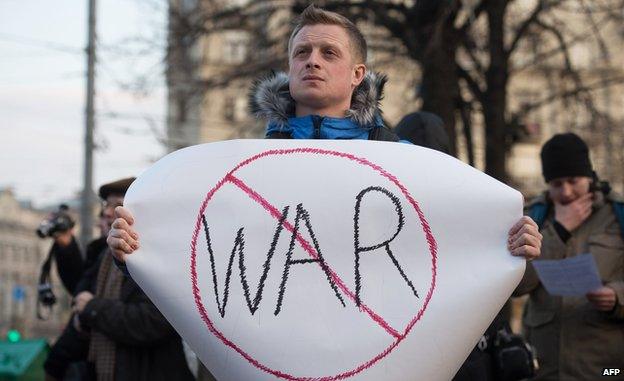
(569, 70)
(543, 56)
(524, 27)
(606, 82)
(473, 85)
(465, 111)
(464, 43)
(596, 31)
(475, 15)
(450, 11)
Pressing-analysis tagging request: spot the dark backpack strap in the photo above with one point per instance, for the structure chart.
(279, 135)
(383, 133)
(538, 212)
(618, 209)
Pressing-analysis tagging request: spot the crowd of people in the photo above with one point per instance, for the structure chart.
(116, 332)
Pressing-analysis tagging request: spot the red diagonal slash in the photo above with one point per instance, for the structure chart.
(355, 368)
(309, 249)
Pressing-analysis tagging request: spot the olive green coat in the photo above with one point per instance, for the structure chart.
(574, 341)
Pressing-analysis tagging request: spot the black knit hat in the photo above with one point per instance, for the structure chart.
(116, 187)
(565, 155)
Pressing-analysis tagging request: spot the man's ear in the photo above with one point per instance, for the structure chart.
(359, 72)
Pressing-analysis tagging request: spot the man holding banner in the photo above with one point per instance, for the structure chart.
(333, 97)
(327, 94)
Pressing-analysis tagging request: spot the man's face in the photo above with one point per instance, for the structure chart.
(108, 212)
(322, 70)
(564, 190)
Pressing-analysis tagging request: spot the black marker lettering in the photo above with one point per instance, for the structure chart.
(303, 214)
(239, 246)
(386, 244)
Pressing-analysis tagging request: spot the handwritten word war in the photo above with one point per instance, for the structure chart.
(302, 221)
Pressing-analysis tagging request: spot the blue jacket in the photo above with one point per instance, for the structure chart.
(318, 127)
(270, 100)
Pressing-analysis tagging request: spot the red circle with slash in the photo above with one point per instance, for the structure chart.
(231, 178)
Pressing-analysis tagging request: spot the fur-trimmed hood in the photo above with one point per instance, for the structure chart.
(270, 99)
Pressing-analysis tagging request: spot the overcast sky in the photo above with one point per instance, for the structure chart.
(42, 94)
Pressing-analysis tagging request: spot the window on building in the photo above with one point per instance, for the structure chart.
(29, 252)
(229, 107)
(37, 253)
(182, 109)
(235, 49)
(21, 253)
(16, 253)
(528, 130)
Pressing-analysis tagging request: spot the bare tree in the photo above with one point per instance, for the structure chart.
(468, 52)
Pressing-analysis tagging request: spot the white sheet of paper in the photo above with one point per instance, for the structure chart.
(345, 259)
(575, 276)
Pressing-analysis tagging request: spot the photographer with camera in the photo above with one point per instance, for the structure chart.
(65, 252)
(67, 358)
(70, 262)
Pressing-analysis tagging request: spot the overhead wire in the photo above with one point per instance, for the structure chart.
(41, 43)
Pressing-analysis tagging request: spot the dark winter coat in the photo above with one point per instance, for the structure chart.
(147, 346)
(72, 346)
(574, 341)
(70, 263)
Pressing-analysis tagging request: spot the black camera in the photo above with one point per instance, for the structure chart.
(46, 296)
(58, 221)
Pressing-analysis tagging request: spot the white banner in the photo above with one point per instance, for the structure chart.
(324, 260)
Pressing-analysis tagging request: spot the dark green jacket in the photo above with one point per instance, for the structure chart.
(574, 341)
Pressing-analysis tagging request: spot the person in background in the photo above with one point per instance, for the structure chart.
(424, 129)
(122, 334)
(576, 337)
(67, 357)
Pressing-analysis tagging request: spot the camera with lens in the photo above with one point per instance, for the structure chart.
(46, 296)
(58, 221)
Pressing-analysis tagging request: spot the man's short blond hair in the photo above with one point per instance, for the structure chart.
(313, 15)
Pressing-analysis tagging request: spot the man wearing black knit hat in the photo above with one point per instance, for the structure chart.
(576, 337)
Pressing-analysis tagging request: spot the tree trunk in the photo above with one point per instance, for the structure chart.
(466, 116)
(440, 85)
(495, 97)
